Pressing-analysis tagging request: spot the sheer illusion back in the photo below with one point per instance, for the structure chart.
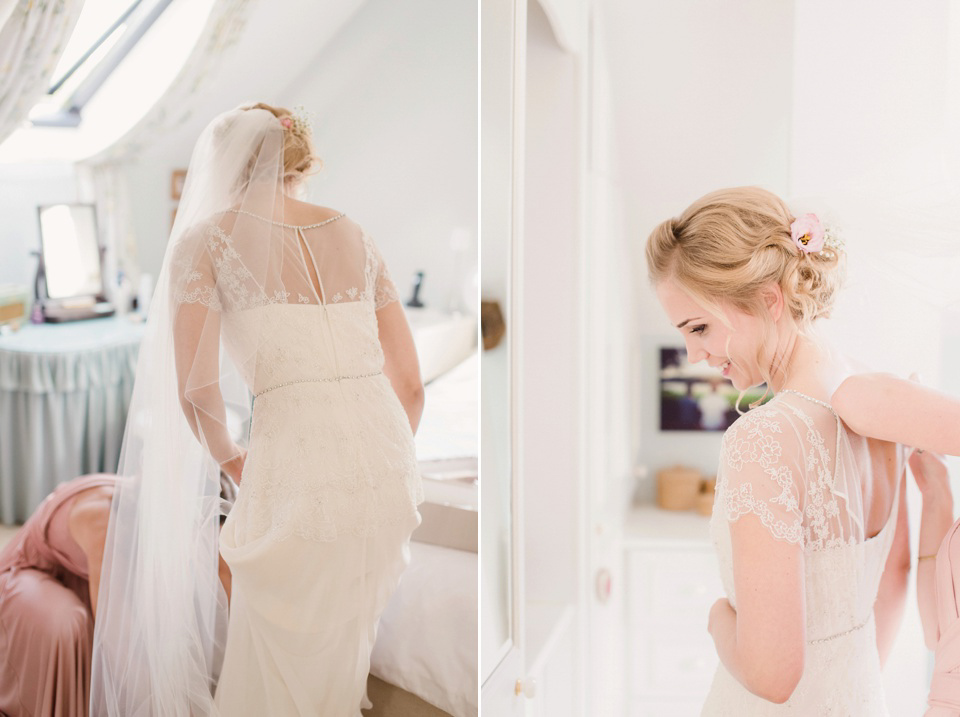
(811, 482)
(260, 261)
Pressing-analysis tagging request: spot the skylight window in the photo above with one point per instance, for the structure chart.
(118, 82)
(96, 19)
(106, 31)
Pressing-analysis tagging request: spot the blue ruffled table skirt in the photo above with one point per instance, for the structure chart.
(64, 394)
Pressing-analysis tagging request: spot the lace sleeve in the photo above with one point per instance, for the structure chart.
(761, 473)
(192, 279)
(379, 283)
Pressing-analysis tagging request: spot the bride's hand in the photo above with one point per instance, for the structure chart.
(930, 471)
(720, 614)
(234, 466)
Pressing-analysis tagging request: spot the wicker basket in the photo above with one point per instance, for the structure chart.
(678, 488)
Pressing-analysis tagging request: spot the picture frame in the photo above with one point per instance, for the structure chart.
(176, 183)
(697, 397)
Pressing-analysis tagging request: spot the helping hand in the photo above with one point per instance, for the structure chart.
(930, 471)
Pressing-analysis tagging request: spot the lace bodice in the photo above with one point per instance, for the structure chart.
(794, 465)
(293, 308)
(235, 273)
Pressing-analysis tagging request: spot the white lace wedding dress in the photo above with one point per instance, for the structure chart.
(318, 536)
(810, 495)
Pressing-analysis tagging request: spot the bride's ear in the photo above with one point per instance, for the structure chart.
(772, 296)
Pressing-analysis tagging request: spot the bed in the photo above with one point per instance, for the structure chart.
(424, 663)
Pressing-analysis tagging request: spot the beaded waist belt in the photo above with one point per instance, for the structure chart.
(316, 380)
(840, 634)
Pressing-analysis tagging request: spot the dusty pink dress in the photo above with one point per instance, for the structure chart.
(944, 699)
(46, 625)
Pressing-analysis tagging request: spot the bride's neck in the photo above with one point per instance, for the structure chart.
(803, 363)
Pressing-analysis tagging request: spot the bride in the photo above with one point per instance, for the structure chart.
(810, 516)
(278, 319)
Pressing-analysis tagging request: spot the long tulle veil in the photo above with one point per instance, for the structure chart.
(161, 620)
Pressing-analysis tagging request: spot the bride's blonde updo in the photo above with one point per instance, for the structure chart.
(730, 243)
(299, 157)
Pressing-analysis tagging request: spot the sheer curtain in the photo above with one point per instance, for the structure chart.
(32, 39)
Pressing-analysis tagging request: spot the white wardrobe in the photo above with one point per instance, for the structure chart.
(555, 393)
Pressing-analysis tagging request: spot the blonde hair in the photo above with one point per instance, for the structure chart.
(299, 157)
(728, 245)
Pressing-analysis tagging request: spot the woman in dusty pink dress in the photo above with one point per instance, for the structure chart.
(49, 573)
(938, 581)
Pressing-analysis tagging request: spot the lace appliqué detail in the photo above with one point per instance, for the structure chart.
(822, 508)
(379, 288)
(328, 475)
(751, 441)
(232, 285)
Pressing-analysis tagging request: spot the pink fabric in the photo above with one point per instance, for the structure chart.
(944, 699)
(46, 626)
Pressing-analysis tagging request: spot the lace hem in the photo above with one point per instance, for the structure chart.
(734, 506)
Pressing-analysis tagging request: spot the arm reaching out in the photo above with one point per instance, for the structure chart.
(936, 517)
(892, 591)
(893, 409)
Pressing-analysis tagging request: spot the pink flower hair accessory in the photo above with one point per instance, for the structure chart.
(808, 233)
(287, 122)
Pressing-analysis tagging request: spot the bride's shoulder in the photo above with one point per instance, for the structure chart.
(761, 420)
(304, 213)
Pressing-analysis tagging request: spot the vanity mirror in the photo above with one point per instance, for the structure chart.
(70, 276)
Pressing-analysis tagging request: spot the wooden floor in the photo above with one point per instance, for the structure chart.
(391, 701)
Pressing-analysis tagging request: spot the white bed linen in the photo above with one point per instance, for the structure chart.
(427, 640)
(449, 426)
(447, 439)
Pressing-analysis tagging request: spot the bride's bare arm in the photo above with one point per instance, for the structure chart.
(892, 592)
(401, 364)
(894, 409)
(763, 643)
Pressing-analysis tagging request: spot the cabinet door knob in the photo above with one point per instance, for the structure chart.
(527, 688)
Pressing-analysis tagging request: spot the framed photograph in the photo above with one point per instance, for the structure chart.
(696, 397)
(176, 185)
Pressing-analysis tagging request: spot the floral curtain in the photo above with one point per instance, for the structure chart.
(33, 36)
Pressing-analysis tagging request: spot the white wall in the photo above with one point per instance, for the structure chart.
(702, 98)
(395, 96)
(871, 117)
(394, 103)
(24, 187)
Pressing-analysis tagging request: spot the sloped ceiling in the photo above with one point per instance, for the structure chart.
(277, 44)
